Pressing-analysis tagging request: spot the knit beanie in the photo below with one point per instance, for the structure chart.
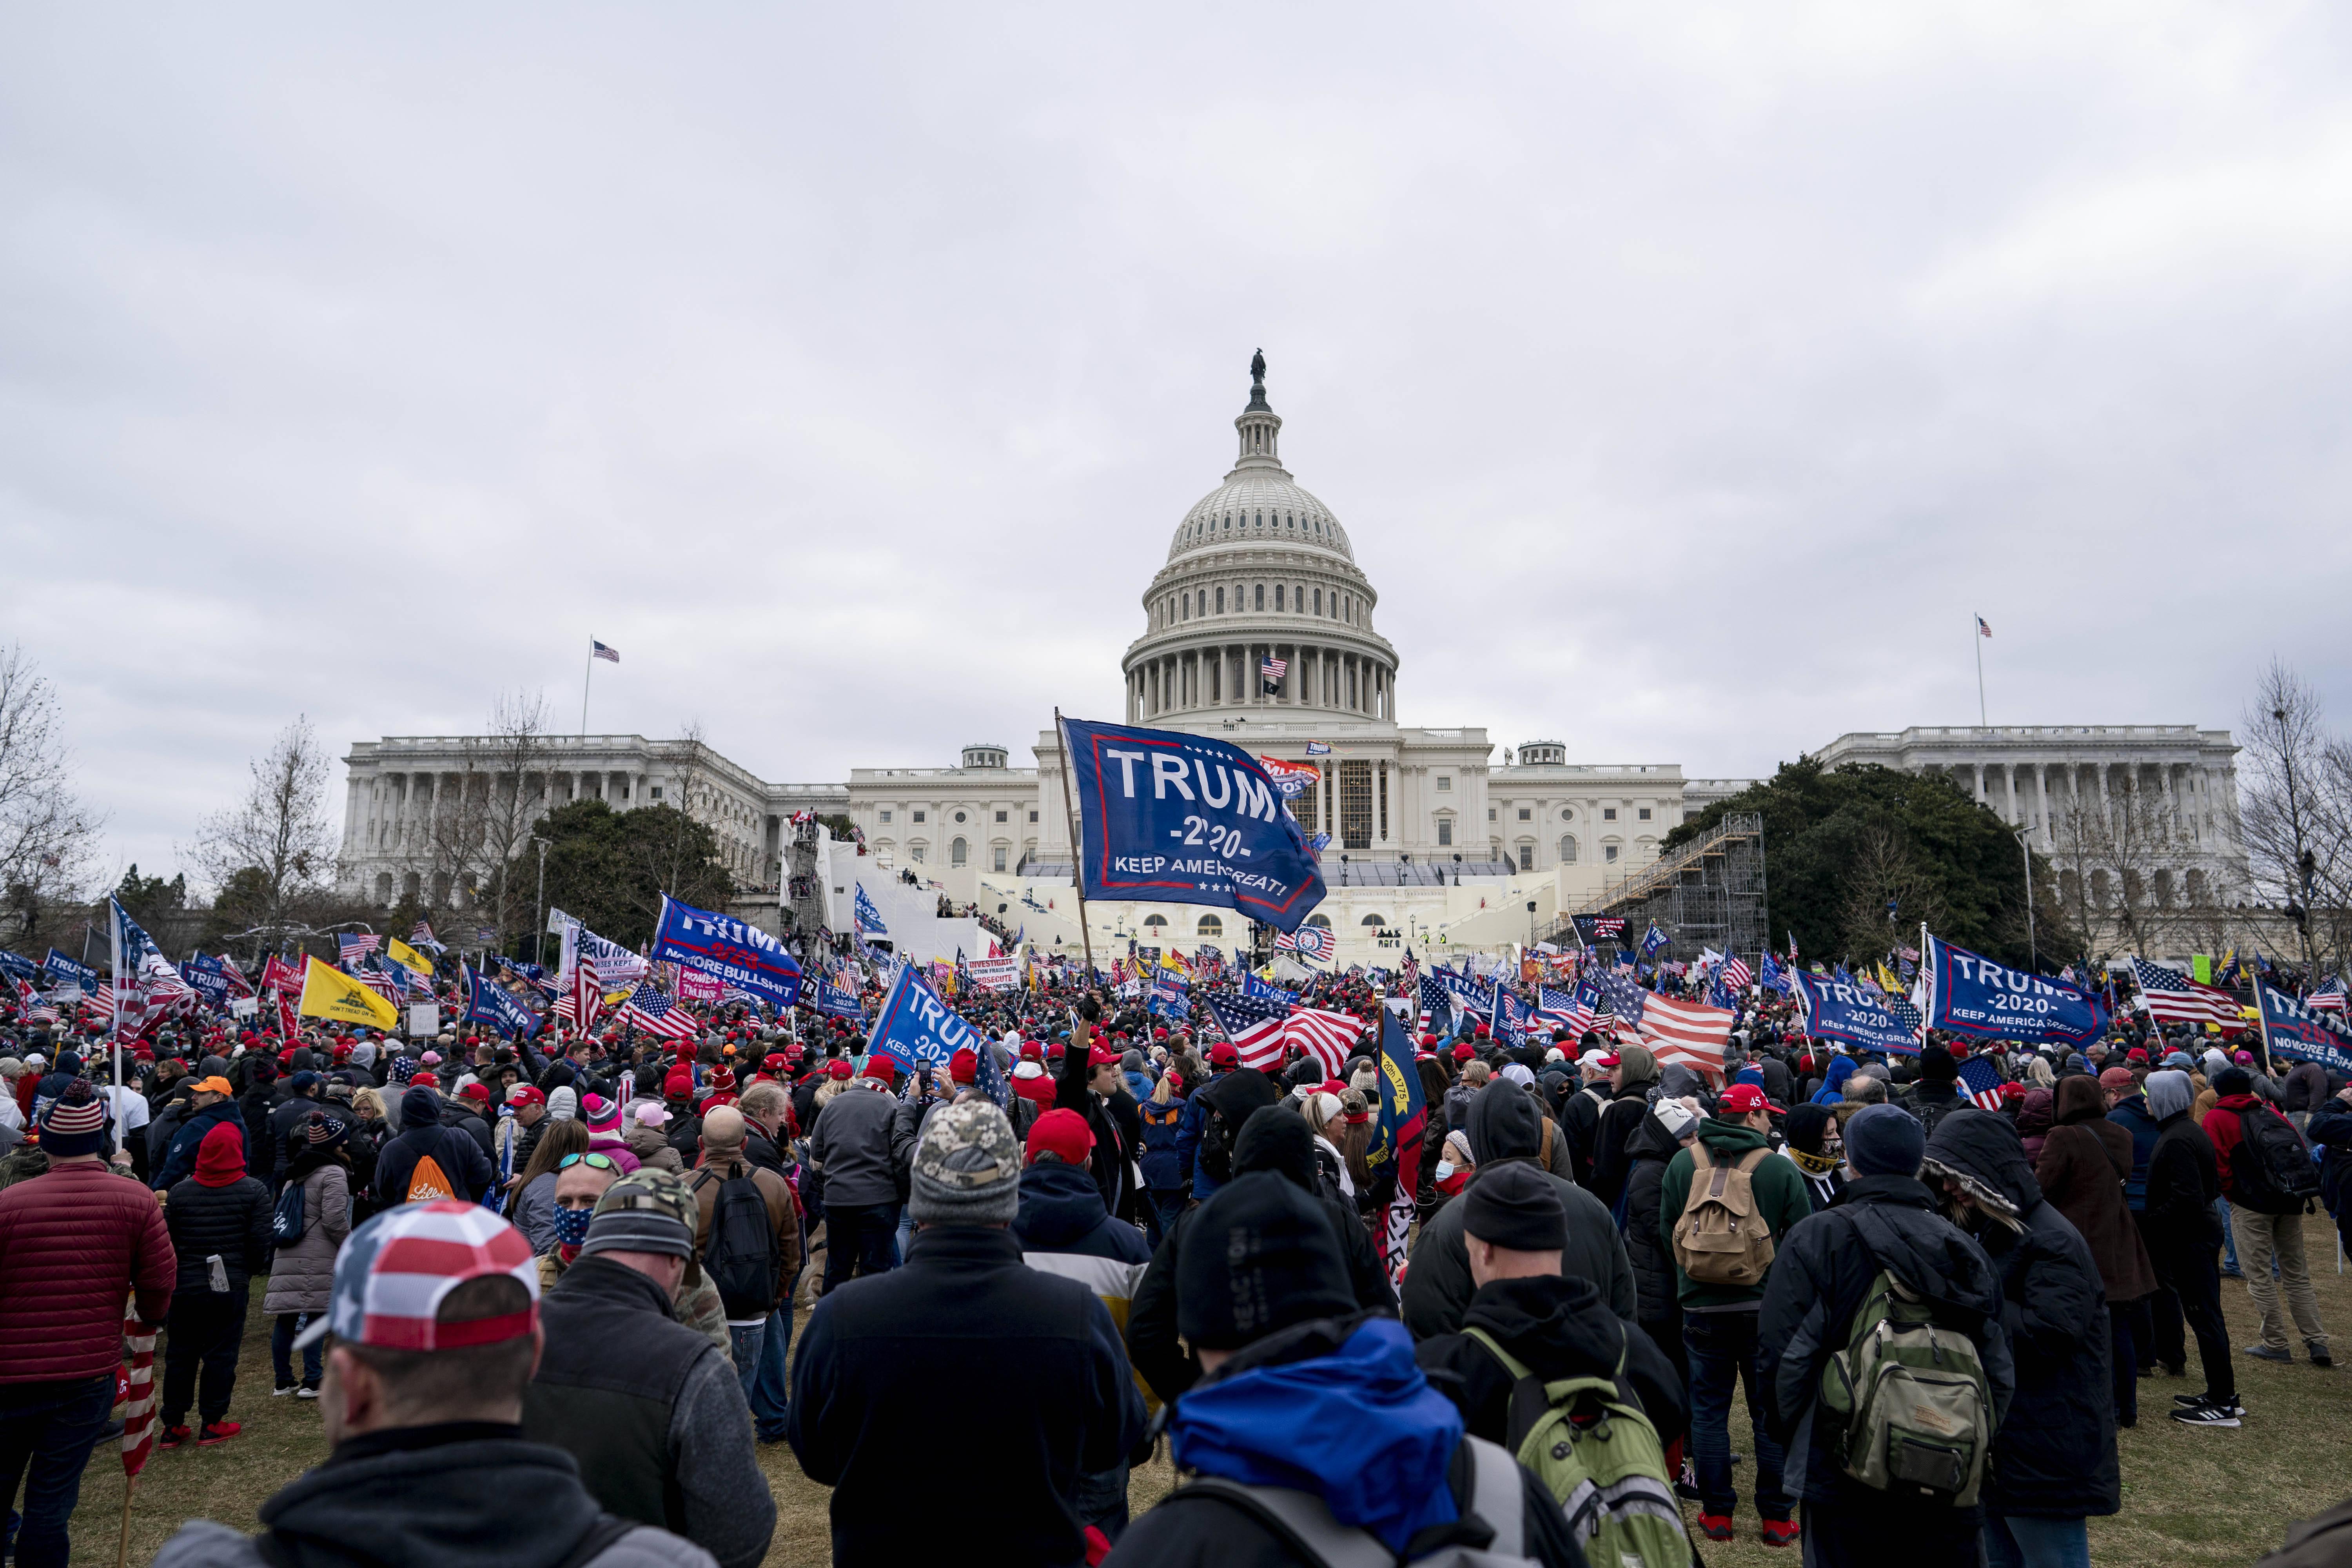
(1259, 1257)
(967, 1168)
(2232, 1080)
(75, 1122)
(646, 1211)
(1884, 1140)
(1517, 1207)
(220, 1158)
(1937, 1066)
(562, 1103)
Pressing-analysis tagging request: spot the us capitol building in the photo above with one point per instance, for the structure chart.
(1260, 630)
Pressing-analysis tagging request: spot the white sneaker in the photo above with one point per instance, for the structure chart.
(306, 1391)
(281, 1391)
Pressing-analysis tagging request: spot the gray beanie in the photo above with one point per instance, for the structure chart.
(967, 1168)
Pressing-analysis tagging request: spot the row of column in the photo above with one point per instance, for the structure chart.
(1229, 676)
(2176, 799)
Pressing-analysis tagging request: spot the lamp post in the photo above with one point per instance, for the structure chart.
(2024, 847)
(1531, 923)
(539, 916)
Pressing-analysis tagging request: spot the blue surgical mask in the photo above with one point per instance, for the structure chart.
(572, 1225)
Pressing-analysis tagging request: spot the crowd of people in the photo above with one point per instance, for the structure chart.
(545, 1295)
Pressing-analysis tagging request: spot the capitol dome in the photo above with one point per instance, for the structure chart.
(1260, 589)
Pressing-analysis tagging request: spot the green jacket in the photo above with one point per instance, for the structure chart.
(1780, 1195)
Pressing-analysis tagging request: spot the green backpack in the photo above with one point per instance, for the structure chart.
(1590, 1442)
(1915, 1404)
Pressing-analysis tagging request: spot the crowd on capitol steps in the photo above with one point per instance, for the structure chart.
(545, 1276)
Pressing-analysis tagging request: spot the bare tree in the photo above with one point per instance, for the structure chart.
(1888, 892)
(691, 770)
(276, 847)
(46, 831)
(2296, 806)
(479, 833)
(2117, 859)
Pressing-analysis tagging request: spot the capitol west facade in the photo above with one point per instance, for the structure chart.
(1433, 841)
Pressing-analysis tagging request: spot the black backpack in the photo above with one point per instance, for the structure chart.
(2272, 1165)
(1215, 1154)
(740, 1258)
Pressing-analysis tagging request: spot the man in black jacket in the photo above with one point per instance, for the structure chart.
(1632, 1073)
(1885, 1220)
(212, 1106)
(2182, 1230)
(464, 1168)
(1275, 1138)
(2055, 1460)
(1937, 1094)
(963, 1325)
(1554, 1324)
(661, 1433)
(285, 1122)
(1503, 1127)
(220, 1224)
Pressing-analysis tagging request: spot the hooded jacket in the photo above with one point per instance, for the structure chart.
(460, 1158)
(2131, 1113)
(1274, 1138)
(1618, 1119)
(1336, 1408)
(1817, 1284)
(444, 1495)
(1778, 1187)
(2054, 1455)
(179, 1161)
(1064, 1229)
(1560, 1328)
(1833, 1089)
(2084, 1163)
(1648, 1149)
(1505, 1126)
(2224, 1127)
(2184, 1177)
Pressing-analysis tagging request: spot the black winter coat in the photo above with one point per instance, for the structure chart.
(2331, 1124)
(1618, 1119)
(1649, 1150)
(2055, 1457)
(1824, 1269)
(1580, 1119)
(232, 1221)
(2183, 1179)
(1560, 1327)
(1931, 1099)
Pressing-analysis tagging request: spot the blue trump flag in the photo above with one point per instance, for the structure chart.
(1968, 995)
(205, 977)
(915, 1026)
(64, 970)
(489, 1002)
(16, 966)
(2293, 1029)
(1171, 996)
(1653, 940)
(1841, 1010)
(833, 1001)
(741, 955)
(1184, 819)
(867, 919)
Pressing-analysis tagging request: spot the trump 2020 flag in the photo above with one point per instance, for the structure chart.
(741, 955)
(1972, 995)
(915, 1026)
(1184, 819)
(867, 918)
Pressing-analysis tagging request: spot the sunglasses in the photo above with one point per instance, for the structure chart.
(601, 1162)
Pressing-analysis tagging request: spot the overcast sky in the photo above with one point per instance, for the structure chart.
(1688, 378)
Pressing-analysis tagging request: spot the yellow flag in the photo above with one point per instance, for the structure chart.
(400, 953)
(328, 994)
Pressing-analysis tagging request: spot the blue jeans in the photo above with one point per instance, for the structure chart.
(2013, 1541)
(2229, 1238)
(46, 1431)
(284, 1330)
(1159, 1213)
(768, 1389)
(1722, 1349)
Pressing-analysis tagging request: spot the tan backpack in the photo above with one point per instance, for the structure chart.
(1722, 1239)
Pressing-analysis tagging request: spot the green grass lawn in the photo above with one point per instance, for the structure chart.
(2189, 1496)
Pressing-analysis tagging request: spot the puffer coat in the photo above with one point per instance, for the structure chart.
(303, 1274)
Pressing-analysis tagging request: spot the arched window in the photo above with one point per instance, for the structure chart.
(1277, 596)
(1210, 926)
(956, 852)
(1374, 920)
(384, 887)
(1155, 923)
(1220, 601)
(1319, 601)
(1568, 848)
(1324, 922)
(1260, 595)
(1188, 607)
(415, 886)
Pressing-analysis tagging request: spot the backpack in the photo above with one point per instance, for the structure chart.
(429, 1182)
(2271, 1166)
(286, 1226)
(1722, 1237)
(1302, 1520)
(1914, 1400)
(1215, 1154)
(1590, 1441)
(740, 1258)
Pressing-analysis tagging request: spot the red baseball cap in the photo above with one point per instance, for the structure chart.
(1223, 1054)
(523, 1094)
(839, 1067)
(476, 1090)
(1742, 1099)
(1462, 1053)
(1102, 1057)
(1060, 1133)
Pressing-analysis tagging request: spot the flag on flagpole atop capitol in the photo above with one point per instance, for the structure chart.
(598, 650)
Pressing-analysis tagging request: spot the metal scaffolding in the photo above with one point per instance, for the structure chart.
(1708, 893)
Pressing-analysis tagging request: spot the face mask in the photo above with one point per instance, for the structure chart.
(572, 1225)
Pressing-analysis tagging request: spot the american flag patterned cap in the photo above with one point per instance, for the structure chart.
(396, 1270)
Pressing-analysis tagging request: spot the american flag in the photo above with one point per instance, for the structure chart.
(1254, 1026)
(1274, 667)
(139, 1398)
(1736, 973)
(2327, 996)
(1983, 630)
(650, 1010)
(587, 995)
(1326, 1037)
(1903, 1013)
(1409, 972)
(598, 650)
(1981, 1079)
(353, 946)
(1608, 927)
(1624, 997)
(1690, 1033)
(1557, 1010)
(2174, 998)
(239, 985)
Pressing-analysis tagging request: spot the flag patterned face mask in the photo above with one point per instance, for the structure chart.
(572, 1225)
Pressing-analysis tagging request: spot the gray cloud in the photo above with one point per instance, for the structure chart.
(1688, 381)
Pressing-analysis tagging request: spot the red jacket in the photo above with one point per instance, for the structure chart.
(2222, 1126)
(74, 1245)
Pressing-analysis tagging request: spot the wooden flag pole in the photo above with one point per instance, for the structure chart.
(122, 1545)
(1077, 851)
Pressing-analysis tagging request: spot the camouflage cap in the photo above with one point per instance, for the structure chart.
(967, 1167)
(644, 1211)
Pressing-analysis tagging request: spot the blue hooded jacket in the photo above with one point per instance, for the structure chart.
(1833, 1089)
(1360, 1427)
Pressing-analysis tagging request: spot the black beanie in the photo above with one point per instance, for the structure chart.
(1258, 1256)
(1937, 1066)
(1276, 1138)
(2232, 1080)
(1515, 1206)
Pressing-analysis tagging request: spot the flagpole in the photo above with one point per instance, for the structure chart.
(589, 675)
(1976, 636)
(2263, 1025)
(1077, 851)
(122, 1546)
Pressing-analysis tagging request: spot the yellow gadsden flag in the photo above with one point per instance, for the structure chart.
(400, 953)
(328, 994)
